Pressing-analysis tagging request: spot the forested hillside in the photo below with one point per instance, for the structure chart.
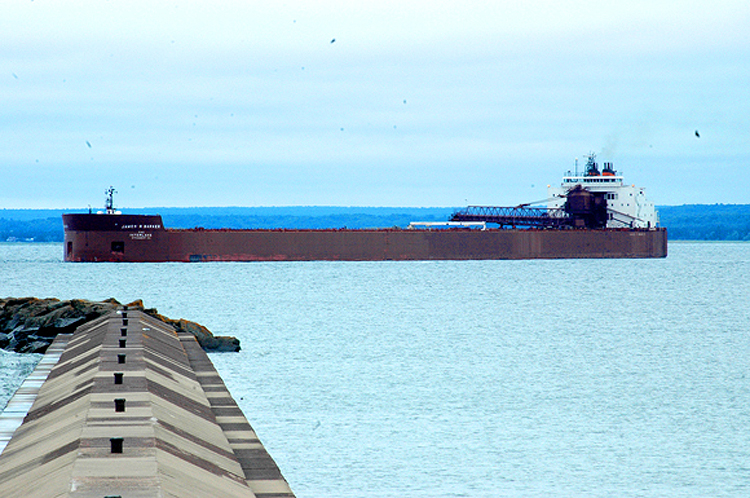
(706, 222)
(687, 222)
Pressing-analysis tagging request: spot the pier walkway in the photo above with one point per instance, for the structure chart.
(131, 409)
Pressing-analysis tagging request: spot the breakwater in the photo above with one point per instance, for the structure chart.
(132, 407)
(30, 324)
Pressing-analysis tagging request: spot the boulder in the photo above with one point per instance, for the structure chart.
(30, 324)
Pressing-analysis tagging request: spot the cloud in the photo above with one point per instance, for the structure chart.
(491, 87)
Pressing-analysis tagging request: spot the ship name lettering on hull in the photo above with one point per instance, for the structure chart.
(140, 236)
(137, 227)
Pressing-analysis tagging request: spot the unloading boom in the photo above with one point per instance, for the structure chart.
(514, 216)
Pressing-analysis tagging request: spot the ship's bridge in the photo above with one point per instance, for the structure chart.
(627, 206)
(602, 180)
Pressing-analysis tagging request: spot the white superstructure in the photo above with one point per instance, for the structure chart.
(627, 206)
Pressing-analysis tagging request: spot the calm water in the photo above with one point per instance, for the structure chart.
(437, 379)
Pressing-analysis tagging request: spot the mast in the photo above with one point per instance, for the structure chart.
(109, 203)
(591, 166)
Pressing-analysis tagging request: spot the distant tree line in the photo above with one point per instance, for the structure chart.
(687, 222)
(34, 230)
(706, 221)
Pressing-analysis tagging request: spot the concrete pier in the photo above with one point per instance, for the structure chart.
(133, 409)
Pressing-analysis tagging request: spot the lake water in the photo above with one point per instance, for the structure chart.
(585, 378)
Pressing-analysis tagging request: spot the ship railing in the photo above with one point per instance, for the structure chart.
(594, 180)
(447, 224)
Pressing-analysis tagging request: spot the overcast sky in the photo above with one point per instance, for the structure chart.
(415, 103)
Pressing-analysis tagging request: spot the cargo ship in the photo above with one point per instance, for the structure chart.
(593, 214)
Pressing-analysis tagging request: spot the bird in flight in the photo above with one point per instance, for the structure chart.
(697, 134)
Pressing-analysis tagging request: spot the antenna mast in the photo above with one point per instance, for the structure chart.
(109, 204)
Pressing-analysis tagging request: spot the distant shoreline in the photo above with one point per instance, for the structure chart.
(699, 222)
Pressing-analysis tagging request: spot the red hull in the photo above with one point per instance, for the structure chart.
(91, 237)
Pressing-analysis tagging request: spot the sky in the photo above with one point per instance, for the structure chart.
(369, 103)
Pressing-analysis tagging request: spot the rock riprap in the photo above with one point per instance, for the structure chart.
(30, 324)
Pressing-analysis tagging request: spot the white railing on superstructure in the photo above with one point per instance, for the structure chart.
(602, 179)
